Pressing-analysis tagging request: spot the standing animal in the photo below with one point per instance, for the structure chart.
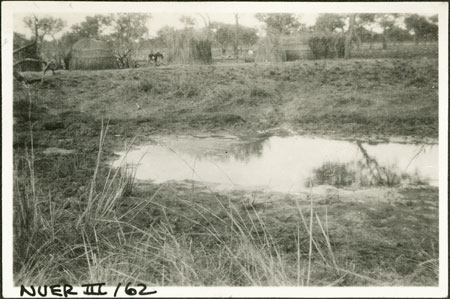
(155, 58)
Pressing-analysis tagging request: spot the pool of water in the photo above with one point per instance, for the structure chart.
(285, 164)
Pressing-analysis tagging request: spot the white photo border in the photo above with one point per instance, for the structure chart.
(48, 7)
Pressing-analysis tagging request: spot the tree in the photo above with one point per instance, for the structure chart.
(361, 33)
(223, 35)
(128, 29)
(247, 36)
(91, 27)
(44, 26)
(164, 34)
(423, 29)
(348, 38)
(280, 23)
(329, 22)
(188, 21)
(397, 34)
(32, 52)
(387, 22)
(236, 36)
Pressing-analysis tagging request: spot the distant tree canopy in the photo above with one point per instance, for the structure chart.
(398, 34)
(329, 22)
(42, 27)
(384, 27)
(247, 36)
(423, 29)
(364, 28)
(127, 30)
(127, 33)
(387, 22)
(91, 27)
(187, 21)
(225, 35)
(164, 34)
(280, 23)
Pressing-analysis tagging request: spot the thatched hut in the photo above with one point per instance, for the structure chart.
(91, 54)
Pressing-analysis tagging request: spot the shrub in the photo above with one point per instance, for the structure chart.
(151, 86)
(145, 86)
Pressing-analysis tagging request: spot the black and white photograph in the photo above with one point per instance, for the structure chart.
(210, 149)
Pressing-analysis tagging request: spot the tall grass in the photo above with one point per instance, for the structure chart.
(186, 47)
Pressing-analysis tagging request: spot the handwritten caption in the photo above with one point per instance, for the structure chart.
(90, 289)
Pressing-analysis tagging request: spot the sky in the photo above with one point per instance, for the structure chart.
(159, 20)
(168, 13)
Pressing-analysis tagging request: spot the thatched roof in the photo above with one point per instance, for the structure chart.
(91, 54)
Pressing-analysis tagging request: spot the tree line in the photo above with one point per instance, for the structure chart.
(126, 32)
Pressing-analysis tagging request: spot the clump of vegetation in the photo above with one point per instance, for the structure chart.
(260, 92)
(147, 85)
(327, 45)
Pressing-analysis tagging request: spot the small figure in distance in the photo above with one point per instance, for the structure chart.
(155, 58)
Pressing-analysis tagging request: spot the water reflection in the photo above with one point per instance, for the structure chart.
(285, 164)
(243, 152)
(359, 174)
(334, 174)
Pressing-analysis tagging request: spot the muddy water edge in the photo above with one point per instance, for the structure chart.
(379, 229)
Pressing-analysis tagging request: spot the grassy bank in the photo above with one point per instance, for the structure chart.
(77, 220)
(357, 97)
